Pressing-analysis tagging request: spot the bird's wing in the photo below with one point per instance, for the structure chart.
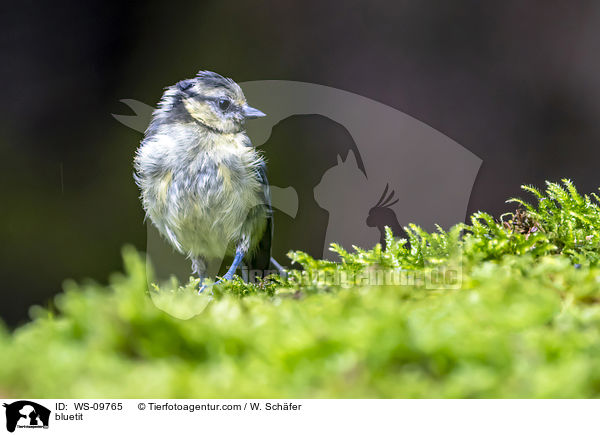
(262, 256)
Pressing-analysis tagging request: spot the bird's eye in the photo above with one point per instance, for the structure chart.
(224, 104)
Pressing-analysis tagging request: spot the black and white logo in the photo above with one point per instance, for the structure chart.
(25, 414)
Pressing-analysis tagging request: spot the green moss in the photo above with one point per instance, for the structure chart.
(518, 317)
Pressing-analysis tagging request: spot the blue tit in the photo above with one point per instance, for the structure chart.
(203, 185)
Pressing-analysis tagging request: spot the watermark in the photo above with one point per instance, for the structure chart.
(431, 279)
(25, 414)
(391, 170)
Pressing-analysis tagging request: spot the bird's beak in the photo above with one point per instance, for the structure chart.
(251, 112)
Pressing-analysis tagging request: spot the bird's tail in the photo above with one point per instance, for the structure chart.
(282, 271)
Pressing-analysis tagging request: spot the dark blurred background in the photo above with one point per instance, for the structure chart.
(517, 83)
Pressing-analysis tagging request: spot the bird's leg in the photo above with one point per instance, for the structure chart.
(237, 260)
(199, 268)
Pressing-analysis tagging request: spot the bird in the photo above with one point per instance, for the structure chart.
(203, 185)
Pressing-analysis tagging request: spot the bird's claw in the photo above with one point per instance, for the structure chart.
(225, 277)
(204, 286)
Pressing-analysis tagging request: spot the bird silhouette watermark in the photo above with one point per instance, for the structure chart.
(427, 176)
(382, 215)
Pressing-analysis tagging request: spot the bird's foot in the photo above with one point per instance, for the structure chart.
(204, 287)
(239, 255)
(226, 277)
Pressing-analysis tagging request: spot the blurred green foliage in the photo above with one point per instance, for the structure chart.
(523, 320)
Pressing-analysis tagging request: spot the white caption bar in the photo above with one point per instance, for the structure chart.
(247, 416)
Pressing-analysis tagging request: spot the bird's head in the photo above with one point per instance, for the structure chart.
(214, 101)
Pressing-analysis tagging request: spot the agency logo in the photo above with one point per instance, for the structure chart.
(25, 414)
(341, 168)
